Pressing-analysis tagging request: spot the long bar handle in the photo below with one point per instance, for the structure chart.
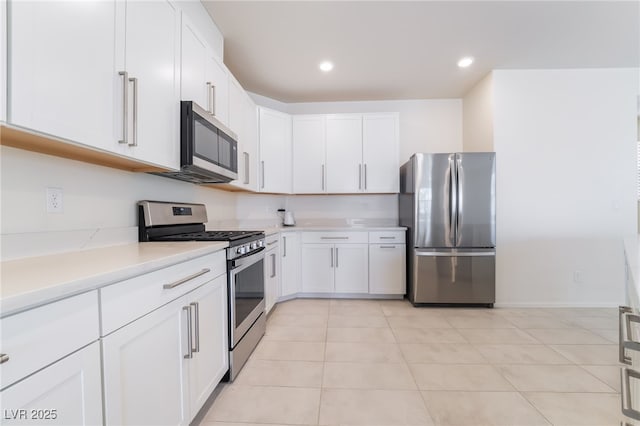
(246, 168)
(627, 408)
(4, 358)
(323, 177)
(272, 242)
(213, 99)
(334, 238)
(134, 141)
(125, 107)
(262, 168)
(185, 279)
(453, 195)
(360, 176)
(284, 246)
(392, 247)
(454, 254)
(209, 97)
(337, 258)
(189, 354)
(365, 176)
(273, 265)
(196, 308)
(387, 238)
(459, 202)
(629, 343)
(332, 257)
(622, 357)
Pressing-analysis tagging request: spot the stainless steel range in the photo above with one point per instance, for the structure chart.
(163, 221)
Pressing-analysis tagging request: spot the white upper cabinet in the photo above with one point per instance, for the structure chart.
(3, 62)
(309, 157)
(193, 62)
(111, 75)
(152, 63)
(218, 87)
(275, 151)
(64, 80)
(380, 154)
(344, 153)
(247, 145)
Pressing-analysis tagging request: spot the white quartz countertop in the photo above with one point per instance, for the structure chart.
(632, 254)
(33, 281)
(302, 228)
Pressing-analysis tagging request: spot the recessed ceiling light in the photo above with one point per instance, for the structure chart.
(326, 66)
(465, 62)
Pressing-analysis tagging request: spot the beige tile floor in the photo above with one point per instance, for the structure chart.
(366, 362)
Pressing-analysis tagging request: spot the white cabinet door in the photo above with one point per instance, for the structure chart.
(275, 151)
(309, 166)
(210, 360)
(380, 155)
(144, 369)
(271, 278)
(317, 268)
(387, 269)
(247, 145)
(3, 62)
(67, 392)
(351, 268)
(218, 83)
(74, 45)
(193, 72)
(344, 153)
(152, 57)
(236, 123)
(290, 276)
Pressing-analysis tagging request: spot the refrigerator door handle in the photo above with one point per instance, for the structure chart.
(453, 200)
(459, 201)
(455, 253)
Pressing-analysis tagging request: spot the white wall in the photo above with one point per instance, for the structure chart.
(99, 203)
(566, 184)
(477, 113)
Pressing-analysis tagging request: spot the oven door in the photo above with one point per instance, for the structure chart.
(246, 294)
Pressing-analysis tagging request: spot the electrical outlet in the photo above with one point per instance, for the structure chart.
(54, 200)
(577, 277)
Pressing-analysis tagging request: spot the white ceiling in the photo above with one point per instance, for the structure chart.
(408, 50)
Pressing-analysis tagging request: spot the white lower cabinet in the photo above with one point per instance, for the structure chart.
(387, 269)
(68, 392)
(145, 369)
(271, 272)
(160, 368)
(335, 268)
(290, 264)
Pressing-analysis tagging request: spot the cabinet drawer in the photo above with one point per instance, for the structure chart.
(271, 241)
(330, 237)
(35, 338)
(383, 237)
(128, 300)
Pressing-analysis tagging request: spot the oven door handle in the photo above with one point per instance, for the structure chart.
(244, 262)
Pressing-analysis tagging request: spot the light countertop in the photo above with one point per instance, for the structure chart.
(33, 281)
(632, 255)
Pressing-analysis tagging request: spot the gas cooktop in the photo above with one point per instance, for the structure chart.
(210, 236)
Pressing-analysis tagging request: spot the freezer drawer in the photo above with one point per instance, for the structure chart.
(453, 277)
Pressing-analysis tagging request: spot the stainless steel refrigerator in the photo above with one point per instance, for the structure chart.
(447, 202)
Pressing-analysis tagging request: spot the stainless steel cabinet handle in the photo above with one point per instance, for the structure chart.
(332, 257)
(125, 107)
(273, 265)
(622, 357)
(365, 176)
(454, 254)
(185, 279)
(334, 238)
(284, 246)
(387, 246)
(337, 257)
(246, 168)
(359, 176)
(4, 358)
(262, 172)
(387, 238)
(323, 177)
(196, 308)
(189, 339)
(272, 242)
(627, 409)
(629, 343)
(209, 96)
(134, 141)
(213, 99)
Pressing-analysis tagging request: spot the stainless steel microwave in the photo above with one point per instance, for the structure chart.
(208, 149)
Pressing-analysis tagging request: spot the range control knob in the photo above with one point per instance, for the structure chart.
(260, 243)
(241, 250)
(253, 245)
